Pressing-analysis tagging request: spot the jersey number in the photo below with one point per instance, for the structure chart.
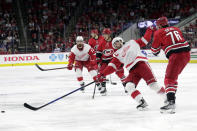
(176, 34)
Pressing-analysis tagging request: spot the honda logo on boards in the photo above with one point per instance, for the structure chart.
(21, 58)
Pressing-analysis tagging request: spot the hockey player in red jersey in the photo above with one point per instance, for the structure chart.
(177, 50)
(130, 55)
(83, 56)
(104, 55)
(94, 40)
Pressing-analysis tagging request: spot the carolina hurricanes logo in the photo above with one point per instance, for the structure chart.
(108, 52)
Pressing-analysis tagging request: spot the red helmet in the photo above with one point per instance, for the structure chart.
(106, 31)
(162, 21)
(95, 31)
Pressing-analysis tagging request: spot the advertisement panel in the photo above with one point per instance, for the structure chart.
(31, 59)
(62, 58)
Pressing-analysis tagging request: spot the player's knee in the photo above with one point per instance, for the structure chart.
(130, 87)
(155, 86)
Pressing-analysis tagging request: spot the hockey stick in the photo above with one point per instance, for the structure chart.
(111, 82)
(37, 108)
(94, 92)
(49, 69)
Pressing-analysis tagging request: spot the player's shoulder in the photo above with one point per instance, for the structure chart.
(74, 48)
(90, 40)
(87, 47)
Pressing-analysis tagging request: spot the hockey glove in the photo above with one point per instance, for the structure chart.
(152, 28)
(70, 66)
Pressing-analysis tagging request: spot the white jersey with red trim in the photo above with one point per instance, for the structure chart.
(81, 55)
(129, 55)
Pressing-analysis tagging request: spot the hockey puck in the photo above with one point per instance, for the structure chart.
(2, 111)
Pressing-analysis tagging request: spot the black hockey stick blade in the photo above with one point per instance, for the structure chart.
(39, 67)
(53, 101)
(30, 107)
(49, 69)
(113, 83)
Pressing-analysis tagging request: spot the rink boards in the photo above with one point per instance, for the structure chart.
(62, 58)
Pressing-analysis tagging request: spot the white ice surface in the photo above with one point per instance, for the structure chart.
(79, 112)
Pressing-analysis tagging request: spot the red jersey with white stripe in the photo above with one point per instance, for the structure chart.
(82, 55)
(169, 39)
(128, 55)
(95, 42)
(106, 50)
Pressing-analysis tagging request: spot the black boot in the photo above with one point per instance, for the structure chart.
(103, 90)
(170, 104)
(169, 108)
(124, 85)
(82, 89)
(143, 105)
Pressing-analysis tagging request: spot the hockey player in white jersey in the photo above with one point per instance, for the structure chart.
(136, 63)
(82, 55)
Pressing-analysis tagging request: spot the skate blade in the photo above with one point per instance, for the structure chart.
(142, 108)
(170, 111)
(103, 94)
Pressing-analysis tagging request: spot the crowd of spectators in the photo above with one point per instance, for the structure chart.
(47, 22)
(190, 33)
(118, 14)
(9, 37)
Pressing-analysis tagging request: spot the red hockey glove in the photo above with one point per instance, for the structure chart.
(100, 78)
(70, 66)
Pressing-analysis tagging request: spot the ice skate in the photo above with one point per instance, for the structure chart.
(82, 89)
(142, 106)
(124, 85)
(99, 86)
(103, 91)
(169, 108)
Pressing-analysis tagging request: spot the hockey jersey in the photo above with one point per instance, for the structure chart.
(81, 55)
(105, 51)
(128, 56)
(169, 39)
(95, 42)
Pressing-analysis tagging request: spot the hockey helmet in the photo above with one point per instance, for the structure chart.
(79, 38)
(162, 21)
(117, 39)
(106, 31)
(95, 31)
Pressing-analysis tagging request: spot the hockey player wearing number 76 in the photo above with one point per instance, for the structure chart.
(177, 50)
(130, 55)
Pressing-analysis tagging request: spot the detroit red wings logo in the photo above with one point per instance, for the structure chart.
(108, 52)
(124, 52)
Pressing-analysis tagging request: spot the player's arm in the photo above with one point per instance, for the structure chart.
(156, 45)
(114, 65)
(90, 43)
(92, 56)
(71, 60)
(143, 41)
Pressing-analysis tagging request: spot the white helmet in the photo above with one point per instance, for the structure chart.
(79, 38)
(115, 40)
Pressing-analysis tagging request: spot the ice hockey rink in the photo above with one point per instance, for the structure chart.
(79, 112)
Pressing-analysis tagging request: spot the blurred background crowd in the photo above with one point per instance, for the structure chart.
(48, 25)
